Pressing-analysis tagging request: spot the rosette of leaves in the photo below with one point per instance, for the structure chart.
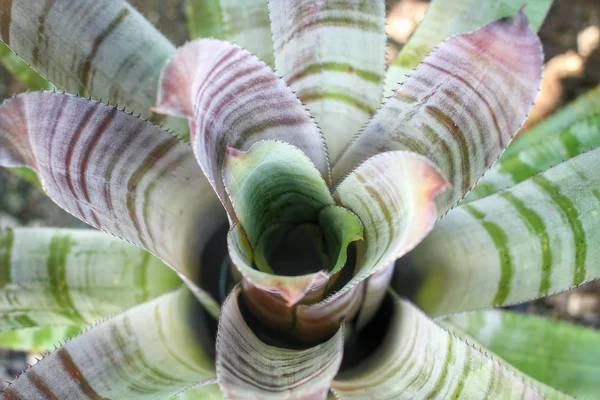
(303, 238)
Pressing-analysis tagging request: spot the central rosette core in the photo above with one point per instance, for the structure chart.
(291, 239)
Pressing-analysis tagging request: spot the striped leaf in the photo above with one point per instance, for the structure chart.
(392, 194)
(117, 173)
(277, 194)
(537, 238)
(556, 147)
(585, 106)
(204, 392)
(231, 98)
(418, 359)
(38, 339)
(332, 54)
(73, 277)
(19, 69)
(460, 107)
(250, 369)
(554, 352)
(151, 351)
(445, 18)
(104, 49)
(245, 23)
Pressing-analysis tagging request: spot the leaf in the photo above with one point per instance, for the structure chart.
(117, 173)
(151, 351)
(585, 106)
(392, 194)
(244, 23)
(231, 98)
(37, 339)
(578, 138)
(445, 18)
(557, 353)
(204, 392)
(73, 277)
(460, 107)
(332, 54)
(248, 368)
(273, 183)
(23, 72)
(418, 359)
(107, 50)
(536, 238)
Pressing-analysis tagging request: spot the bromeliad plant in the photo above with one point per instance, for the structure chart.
(286, 212)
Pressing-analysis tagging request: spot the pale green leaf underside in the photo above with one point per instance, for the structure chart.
(557, 353)
(332, 54)
(73, 277)
(556, 147)
(151, 351)
(37, 339)
(418, 359)
(245, 23)
(249, 369)
(445, 18)
(538, 237)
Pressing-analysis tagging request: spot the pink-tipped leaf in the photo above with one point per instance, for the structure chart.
(460, 107)
(232, 98)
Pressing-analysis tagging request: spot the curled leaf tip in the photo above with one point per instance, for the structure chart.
(233, 152)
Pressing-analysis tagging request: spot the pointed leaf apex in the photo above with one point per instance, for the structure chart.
(294, 294)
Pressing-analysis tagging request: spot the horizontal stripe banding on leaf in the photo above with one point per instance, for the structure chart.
(570, 211)
(473, 91)
(340, 78)
(98, 52)
(235, 100)
(250, 368)
(114, 171)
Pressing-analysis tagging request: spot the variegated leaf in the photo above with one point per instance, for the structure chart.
(151, 351)
(393, 195)
(38, 339)
(445, 18)
(116, 172)
(245, 23)
(460, 107)
(204, 392)
(578, 138)
(584, 107)
(73, 277)
(249, 369)
(418, 359)
(274, 185)
(332, 54)
(558, 353)
(537, 238)
(104, 49)
(231, 98)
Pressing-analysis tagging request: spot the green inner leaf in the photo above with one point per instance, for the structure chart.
(287, 211)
